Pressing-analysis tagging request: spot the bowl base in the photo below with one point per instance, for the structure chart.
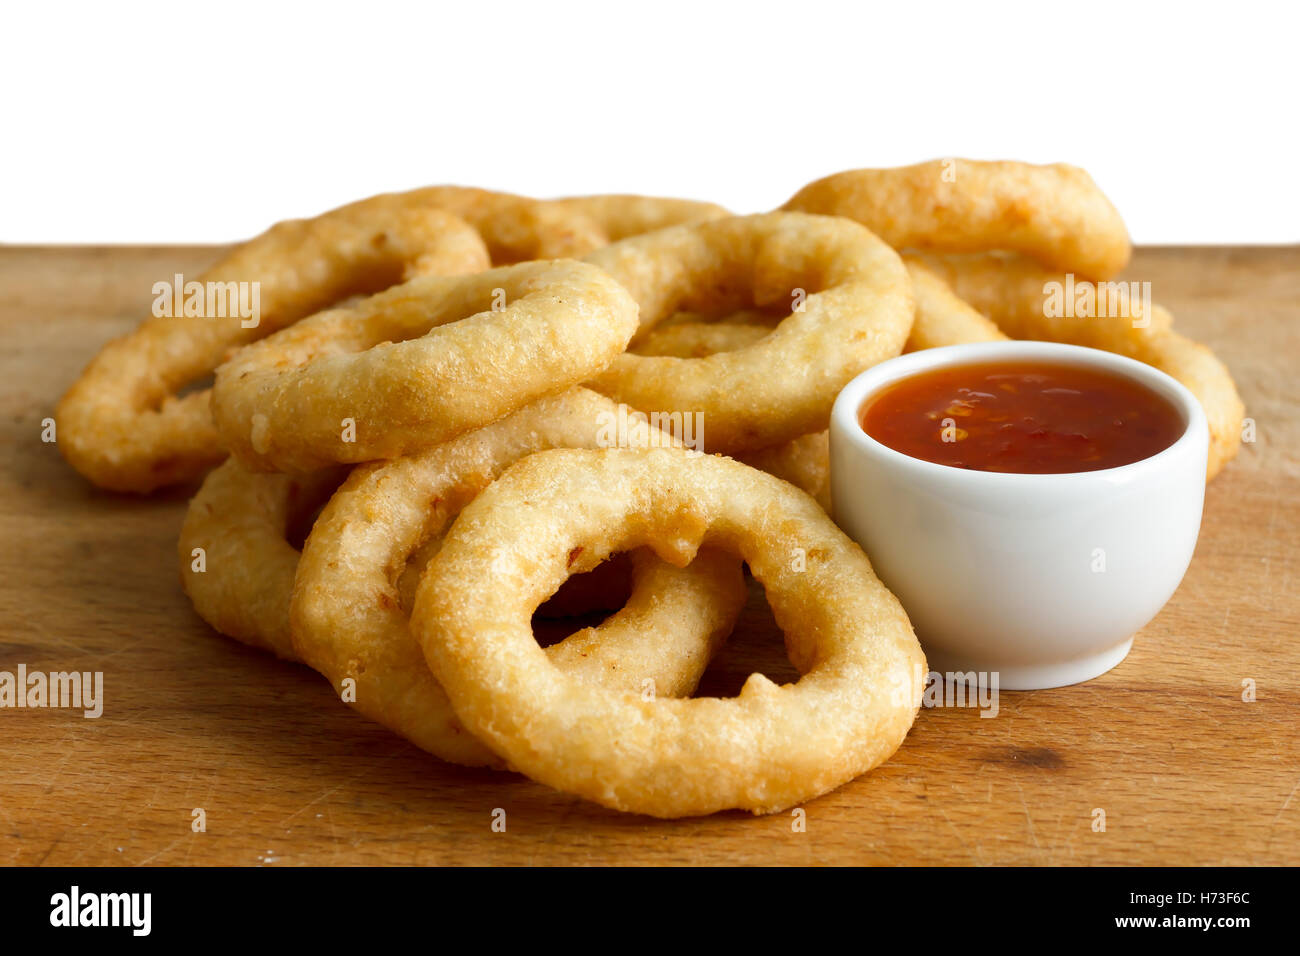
(1036, 677)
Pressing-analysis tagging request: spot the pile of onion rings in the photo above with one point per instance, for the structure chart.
(125, 426)
(350, 619)
(999, 234)
(462, 410)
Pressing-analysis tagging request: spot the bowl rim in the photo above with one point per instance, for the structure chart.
(845, 422)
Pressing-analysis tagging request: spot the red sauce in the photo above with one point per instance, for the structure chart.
(1024, 417)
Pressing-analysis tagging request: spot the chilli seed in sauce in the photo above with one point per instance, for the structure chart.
(1023, 417)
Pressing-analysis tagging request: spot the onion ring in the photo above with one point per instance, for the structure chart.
(1200, 370)
(1012, 291)
(942, 318)
(122, 424)
(1054, 213)
(348, 617)
(623, 215)
(243, 522)
(851, 308)
(407, 374)
(240, 519)
(805, 462)
(515, 228)
(766, 750)
(802, 461)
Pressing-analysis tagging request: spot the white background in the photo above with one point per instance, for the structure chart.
(170, 123)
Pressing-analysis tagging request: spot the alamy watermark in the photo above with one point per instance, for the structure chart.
(976, 689)
(962, 689)
(629, 428)
(64, 689)
(75, 908)
(209, 300)
(1090, 300)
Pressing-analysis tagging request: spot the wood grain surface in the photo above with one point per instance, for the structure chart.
(1185, 770)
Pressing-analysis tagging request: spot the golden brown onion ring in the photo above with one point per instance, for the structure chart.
(418, 364)
(942, 318)
(850, 303)
(242, 580)
(767, 749)
(1013, 292)
(1054, 213)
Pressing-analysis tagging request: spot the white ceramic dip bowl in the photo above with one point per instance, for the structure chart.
(1043, 578)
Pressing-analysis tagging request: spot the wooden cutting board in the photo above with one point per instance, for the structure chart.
(1184, 769)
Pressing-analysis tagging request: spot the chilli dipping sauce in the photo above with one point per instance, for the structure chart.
(1023, 417)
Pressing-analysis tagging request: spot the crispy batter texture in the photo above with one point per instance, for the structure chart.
(419, 364)
(621, 215)
(852, 308)
(684, 334)
(350, 622)
(122, 424)
(768, 749)
(241, 519)
(805, 462)
(1054, 213)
